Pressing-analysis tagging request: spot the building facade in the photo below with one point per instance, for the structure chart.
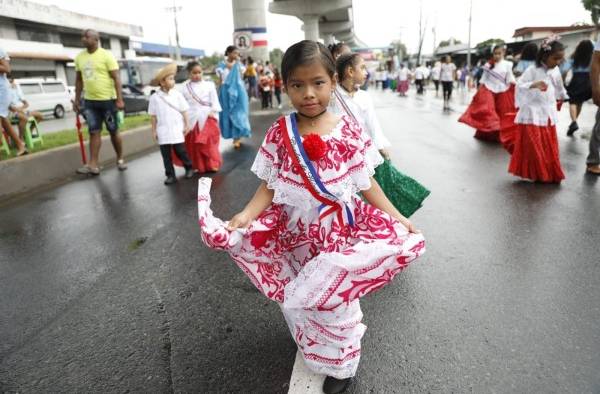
(41, 40)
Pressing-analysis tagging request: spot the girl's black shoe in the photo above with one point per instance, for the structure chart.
(573, 127)
(335, 386)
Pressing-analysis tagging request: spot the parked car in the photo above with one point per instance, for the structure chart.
(48, 96)
(135, 100)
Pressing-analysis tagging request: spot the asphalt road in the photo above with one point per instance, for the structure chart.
(106, 286)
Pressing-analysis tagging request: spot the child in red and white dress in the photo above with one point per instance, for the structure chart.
(202, 143)
(540, 92)
(494, 99)
(307, 240)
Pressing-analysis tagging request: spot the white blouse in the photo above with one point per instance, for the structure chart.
(203, 99)
(362, 108)
(447, 72)
(422, 73)
(537, 107)
(168, 108)
(498, 78)
(403, 74)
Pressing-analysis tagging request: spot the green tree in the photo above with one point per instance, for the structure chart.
(594, 7)
(489, 43)
(209, 63)
(275, 57)
(448, 42)
(399, 48)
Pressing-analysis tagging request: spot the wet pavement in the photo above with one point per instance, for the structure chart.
(107, 287)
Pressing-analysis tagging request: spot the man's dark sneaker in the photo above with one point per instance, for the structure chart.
(335, 386)
(170, 180)
(189, 173)
(573, 127)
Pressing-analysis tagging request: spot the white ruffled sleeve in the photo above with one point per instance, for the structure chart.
(510, 76)
(524, 94)
(379, 139)
(559, 87)
(369, 155)
(267, 162)
(214, 98)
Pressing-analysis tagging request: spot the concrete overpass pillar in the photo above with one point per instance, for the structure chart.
(250, 16)
(328, 38)
(311, 27)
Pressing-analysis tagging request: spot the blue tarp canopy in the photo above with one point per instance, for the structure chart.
(148, 47)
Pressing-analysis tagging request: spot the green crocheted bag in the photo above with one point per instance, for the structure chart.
(405, 193)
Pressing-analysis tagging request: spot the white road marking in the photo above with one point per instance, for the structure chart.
(303, 380)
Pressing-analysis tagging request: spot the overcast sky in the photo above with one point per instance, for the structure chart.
(208, 24)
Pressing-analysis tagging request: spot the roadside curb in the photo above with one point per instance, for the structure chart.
(27, 173)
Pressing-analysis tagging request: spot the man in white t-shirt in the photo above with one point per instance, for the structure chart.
(447, 76)
(593, 159)
(435, 76)
(420, 75)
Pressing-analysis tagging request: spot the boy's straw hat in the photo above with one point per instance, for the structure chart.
(164, 72)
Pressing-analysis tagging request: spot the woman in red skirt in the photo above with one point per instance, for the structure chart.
(494, 99)
(539, 89)
(202, 143)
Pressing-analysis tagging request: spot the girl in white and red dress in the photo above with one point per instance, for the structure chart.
(202, 143)
(307, 239)
(403, 82)
(540, 92)
(494, 99)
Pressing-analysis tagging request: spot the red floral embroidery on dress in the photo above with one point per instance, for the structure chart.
(360, 288)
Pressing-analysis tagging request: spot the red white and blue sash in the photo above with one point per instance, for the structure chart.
(330, 204)
(190, 89)
(496, 75)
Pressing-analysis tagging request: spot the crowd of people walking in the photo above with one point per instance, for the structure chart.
(519, 106)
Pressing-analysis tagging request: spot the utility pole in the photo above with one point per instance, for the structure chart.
(174, 10)
(434, 32)
(421, 31)
(434, 47)
(469, 42)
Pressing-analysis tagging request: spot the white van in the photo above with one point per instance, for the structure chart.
(48, 96)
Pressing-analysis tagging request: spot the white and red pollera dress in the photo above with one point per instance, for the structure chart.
(492, 102)
(317, 259)
(535, 155)
(202, 142)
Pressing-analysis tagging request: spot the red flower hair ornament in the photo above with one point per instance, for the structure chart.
(314, 146)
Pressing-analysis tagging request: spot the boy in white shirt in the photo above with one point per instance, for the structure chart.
(169, 118)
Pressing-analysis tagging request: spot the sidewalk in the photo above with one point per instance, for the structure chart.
(28, 173)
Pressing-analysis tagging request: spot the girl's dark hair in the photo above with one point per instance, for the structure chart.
(529, 51)
(191, 64)
(544, 53)
(305, 52)
(229, 49)
(335, 48)
(582, 57)
(250, 60)
(345, 61)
